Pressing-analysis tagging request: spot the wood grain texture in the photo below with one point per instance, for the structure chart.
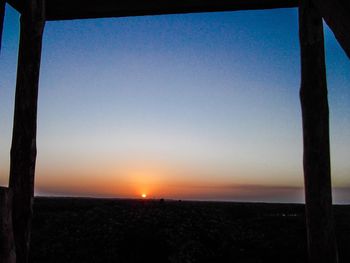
(23, 149)
(315, 115)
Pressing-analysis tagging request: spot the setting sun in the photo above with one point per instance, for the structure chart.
(143, 195)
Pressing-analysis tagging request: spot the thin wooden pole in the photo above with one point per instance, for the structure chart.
(2, 15)
(317, 175)
(7, 244)
(23, 150)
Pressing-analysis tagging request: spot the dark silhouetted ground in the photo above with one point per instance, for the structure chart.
(124, 231)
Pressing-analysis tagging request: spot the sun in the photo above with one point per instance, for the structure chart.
(143, 195)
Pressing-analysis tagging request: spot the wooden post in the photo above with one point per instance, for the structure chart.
(2, 15)
(317, 176)
(7, 244)
(23, 150)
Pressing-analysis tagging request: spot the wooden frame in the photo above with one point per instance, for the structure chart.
(77, 9)
(313, 95)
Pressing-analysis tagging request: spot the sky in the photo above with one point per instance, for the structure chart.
(195, 106)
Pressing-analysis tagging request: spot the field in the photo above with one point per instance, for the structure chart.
(112, 230)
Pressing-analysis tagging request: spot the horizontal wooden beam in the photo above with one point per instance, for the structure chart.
(79, 9)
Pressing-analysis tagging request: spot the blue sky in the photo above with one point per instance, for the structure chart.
(180, 106)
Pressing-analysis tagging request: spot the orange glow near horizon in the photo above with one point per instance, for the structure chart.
(142, 179)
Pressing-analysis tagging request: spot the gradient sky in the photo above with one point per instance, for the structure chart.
(197, 106)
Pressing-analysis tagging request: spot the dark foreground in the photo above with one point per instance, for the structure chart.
(99, 230)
